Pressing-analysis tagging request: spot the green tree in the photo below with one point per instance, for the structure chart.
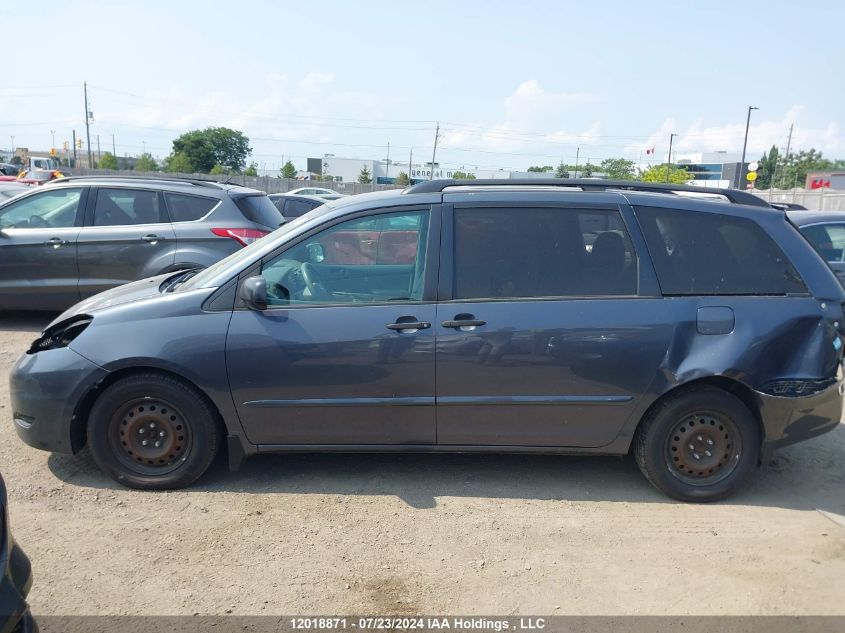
(586, 170)
(796, 167)
(252, 170)
(146, 162)
(288, 170)
(618, 168)
(217, 170)
(462, 175)
(402, 179)
(108, 161)
(206, 148)
(541, 170)
(562, 171)
(766, 171)
(16, 160)
(657, 173)
(365, 177)
(179, 163)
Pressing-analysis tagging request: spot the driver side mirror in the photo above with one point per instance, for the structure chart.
(253, 293)
(316, 253)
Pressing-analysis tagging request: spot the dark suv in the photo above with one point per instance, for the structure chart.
(15, 578)
(539, 316)
(81, 235)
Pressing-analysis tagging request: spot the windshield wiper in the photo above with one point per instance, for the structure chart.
(174, 282)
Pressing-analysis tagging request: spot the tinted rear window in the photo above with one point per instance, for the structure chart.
(714, 254)
(259, 209)
(184, 208)
(294, 208)
(543, 252)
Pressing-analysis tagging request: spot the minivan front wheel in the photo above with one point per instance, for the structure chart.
(698, 445)
(153, 432)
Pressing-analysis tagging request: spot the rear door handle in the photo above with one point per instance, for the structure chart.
(464, 321)
(152, 239)
(409, 325)
(55, 242)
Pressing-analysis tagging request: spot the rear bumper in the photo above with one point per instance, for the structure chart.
(790, 420)
(45, 389)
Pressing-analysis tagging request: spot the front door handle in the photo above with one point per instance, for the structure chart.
(55, 242)
(152, 239)
(408, 326)
(462, 321)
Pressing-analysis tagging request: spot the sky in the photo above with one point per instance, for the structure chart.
(511, 84)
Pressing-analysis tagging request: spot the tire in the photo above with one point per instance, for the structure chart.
(698, 445)
(153, 432)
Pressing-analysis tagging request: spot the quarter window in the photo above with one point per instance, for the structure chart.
(506, 253)
(122, 207)
(698, 253)
(377, 259)
(46, 210)
(188, 208)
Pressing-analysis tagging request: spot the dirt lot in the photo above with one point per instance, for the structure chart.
(423, 534)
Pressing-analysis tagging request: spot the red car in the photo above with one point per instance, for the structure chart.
(39, 176)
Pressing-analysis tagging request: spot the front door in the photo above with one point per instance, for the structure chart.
(542, 339)
(127, 236)
(344, 354)
(38, 242)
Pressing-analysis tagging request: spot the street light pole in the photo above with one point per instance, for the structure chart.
(53, 132)
(744, 147)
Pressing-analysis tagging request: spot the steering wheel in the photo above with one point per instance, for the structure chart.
(312, 281)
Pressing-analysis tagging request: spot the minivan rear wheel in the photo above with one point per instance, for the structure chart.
(700, 444)
(153, 432)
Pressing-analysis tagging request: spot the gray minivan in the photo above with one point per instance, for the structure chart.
(78, 236)
(581, 316)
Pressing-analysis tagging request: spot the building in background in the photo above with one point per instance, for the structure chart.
(710, 169)
(825, 180)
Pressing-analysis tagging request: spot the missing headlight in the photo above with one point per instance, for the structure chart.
(61, 334)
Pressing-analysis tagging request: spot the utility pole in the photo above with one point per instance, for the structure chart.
(788, 145)
(577, 156)
(74, 149)
(387, 167)
(744, 147)
(410, 164)
(87, 128)
(99, 153)
(669, 161)
(434, 153)
(53, 133)
(113, 146)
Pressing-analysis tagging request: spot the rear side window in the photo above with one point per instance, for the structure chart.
(506, 253)
(122, 207)
(828, 240)
(295, 208)
(714, 254)
(260, 209)
(184, 208)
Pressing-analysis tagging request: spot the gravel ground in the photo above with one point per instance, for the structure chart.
(383, 534)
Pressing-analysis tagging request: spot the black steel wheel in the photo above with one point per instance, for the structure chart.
(153, 431)
(699, 444)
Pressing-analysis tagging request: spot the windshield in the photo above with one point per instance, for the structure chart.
(236, 260)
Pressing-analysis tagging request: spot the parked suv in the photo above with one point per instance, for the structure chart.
(79, 236)
(15, 578)
(575, 316)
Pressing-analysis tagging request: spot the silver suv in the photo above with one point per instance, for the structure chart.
(79, 236)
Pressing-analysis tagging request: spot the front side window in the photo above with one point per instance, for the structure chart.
(45, 210)
(698, 253)
(828, 240)
(507, 253)
(376, 259)
(126, 207)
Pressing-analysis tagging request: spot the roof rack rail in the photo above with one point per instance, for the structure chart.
(735, 196)
(200, 182)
